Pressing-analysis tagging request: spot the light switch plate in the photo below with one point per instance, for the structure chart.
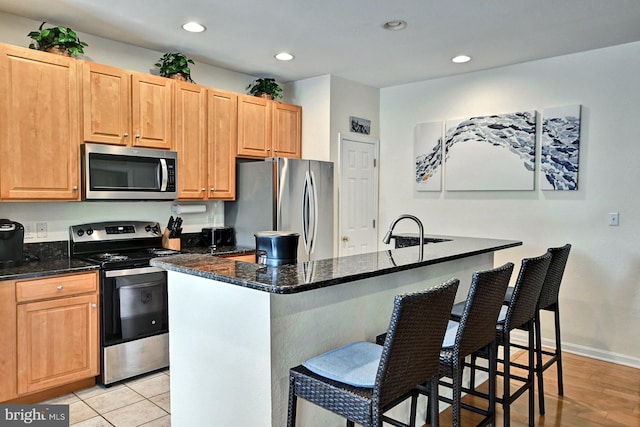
(614, 219)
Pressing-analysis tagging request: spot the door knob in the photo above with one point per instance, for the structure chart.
(345, 239)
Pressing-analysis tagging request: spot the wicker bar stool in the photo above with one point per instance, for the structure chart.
(548, 301)
(475, 331)
(520, 313)
(363, 380)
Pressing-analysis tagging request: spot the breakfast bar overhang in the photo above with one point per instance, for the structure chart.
(237, 328)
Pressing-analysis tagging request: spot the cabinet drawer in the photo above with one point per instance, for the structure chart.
(56, 286)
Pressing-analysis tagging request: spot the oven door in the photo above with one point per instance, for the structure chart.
(135, 323)
(134, 304)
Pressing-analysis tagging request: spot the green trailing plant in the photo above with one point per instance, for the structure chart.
(265, 85)
(175, 63)
(62, 37)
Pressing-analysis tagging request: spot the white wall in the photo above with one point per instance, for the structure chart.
(600, 295)
(314, 95)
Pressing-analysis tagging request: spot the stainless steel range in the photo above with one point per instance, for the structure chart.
(134, 326)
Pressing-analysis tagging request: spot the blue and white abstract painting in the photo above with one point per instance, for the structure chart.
(491, 152)
(427, 149)
(559, 148)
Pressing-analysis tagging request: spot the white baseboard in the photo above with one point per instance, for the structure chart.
(520, 337)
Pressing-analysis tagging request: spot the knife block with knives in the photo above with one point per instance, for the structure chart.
(171, 236)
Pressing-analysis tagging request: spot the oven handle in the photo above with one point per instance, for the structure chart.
(132, 271)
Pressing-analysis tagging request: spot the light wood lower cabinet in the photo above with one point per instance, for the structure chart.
(50, 333)
(8, 370)
(57, 342)
(244, 257)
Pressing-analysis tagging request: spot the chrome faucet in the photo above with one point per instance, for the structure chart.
(389, 235)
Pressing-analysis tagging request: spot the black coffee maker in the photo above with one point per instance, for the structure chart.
(11, 241)
(275, 248)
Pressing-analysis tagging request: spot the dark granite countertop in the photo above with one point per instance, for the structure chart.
(46, 267)
(310, 275)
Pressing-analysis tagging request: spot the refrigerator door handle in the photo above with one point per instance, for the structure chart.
(314, 199)
(306, 201)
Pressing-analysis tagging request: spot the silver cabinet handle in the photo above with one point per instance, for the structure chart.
(126, 134)
(75, 188)
(204, 189)
(137, 136)
(94, 305)
(59, 287)
(213, 189)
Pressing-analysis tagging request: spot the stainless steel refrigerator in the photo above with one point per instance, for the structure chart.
(282, 194)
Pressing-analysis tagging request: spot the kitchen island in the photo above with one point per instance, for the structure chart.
(236, 328)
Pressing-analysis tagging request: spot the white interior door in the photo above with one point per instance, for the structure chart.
(358, 195)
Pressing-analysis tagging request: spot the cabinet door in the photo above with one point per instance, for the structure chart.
(39, 126)
(8, 384)
(223, 137)
(57, 342)
(191, 140)
(151, 111)
(106, 101)
(287, 130)
(254, 127)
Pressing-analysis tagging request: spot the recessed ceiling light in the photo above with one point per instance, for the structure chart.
(193, 27)
(284, 56)
(461, 59)
(395, 25)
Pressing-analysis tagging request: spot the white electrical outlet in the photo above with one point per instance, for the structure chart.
(29, 232)
(41, 229)
(614, 219)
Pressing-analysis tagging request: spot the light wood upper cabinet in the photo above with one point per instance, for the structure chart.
(287, 130)
(254, 127)
(151, 108)
(106, 96)
(57, 338)
(126, 108)
(39, 129)
(268, 128)
(222, 141)
(205, 139)
(191, 139)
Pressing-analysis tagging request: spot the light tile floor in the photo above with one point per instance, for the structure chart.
(143, 401)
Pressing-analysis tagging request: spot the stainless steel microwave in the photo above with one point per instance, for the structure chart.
(112, 172)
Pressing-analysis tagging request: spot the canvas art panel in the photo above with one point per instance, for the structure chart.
(494, 152)
(427, 149)
(560, 148)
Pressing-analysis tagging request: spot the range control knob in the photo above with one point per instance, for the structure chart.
(156, 228)
(80, 232)
(147, 228)
(89, 231)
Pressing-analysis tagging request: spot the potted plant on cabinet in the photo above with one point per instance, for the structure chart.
(265, 87)
(59, 40)
(175, 66)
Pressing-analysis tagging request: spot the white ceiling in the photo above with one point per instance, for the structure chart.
(345, 37)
